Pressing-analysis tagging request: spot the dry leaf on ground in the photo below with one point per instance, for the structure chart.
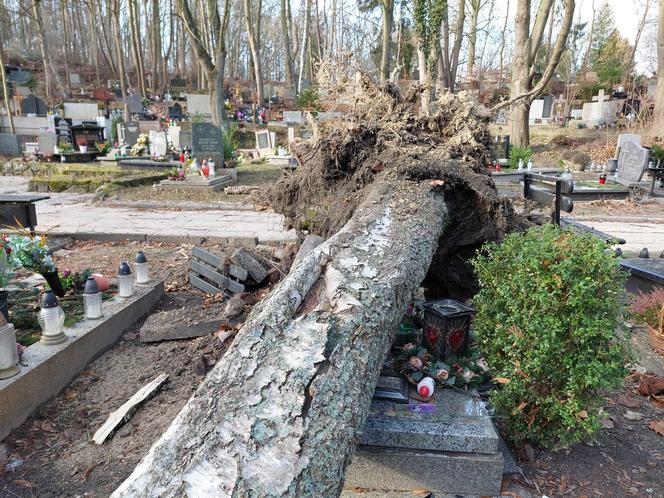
(657, 426)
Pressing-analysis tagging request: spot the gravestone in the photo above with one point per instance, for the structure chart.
(9, 145)
(207, 142)
(185, 139)
(632, 162)
(81, 110)
(627, 137)
(34, 105)
(175, 112)
(178, 82)
(135, 103)
(128, 132)
(293, 116)
(74, 79)
(263, 144)
(47, 142)
(63, 131)
(291, 136)
(158, 143)
(198, 104)
(174, 136)
(19, 77)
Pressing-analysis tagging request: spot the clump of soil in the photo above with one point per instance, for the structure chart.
(446, 142)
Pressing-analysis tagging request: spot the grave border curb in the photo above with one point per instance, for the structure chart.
(51, 368)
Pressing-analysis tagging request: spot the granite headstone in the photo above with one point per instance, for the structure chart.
(135, 103)
(207, 142)
(632, 162)
(292, 116)
(129, 132)
(47, 142)
(627, 137)
(9, 145)
(34, 105)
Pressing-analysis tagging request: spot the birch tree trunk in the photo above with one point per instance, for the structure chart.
(288, 53)
(280, 413)
(658, 117)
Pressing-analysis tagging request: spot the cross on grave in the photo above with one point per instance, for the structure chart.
(600, 98)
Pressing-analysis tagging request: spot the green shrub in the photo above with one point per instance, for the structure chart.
(231, 142)
(517, 153)
(547, 319)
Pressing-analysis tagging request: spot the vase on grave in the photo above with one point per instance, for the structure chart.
(8, 351)
(53, 280)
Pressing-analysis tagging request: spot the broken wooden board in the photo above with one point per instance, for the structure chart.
(215, 277)
(219, 263)
(247, 261)
(179, 331)
(120, 416)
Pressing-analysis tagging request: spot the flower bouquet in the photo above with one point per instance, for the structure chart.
(31, 252)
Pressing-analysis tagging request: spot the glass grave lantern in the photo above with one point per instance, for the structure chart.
(51, 320)
(446, 327)
(8, 352)
(141, 268)
(92, 300)
(125, 280)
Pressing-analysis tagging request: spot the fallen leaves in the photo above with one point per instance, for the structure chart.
(583, 414)
(657, 426)
(23, 483)
(607, 423)
(501, 380)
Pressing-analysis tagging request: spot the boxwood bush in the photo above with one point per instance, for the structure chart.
(548, 322)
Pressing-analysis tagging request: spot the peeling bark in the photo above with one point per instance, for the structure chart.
(280, 413)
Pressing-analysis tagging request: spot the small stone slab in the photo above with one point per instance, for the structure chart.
(244, 259)
(154, 331)
(443, 473)
(650, 269)
(452, 421)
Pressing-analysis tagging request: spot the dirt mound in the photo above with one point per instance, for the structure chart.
(383, 131)
(386, 133)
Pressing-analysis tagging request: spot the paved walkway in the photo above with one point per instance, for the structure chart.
(637, 234)
(76, 214)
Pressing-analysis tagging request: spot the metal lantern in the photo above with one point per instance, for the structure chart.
(446, 327)
(8, 352)
(142, 269)
(125, 280)
(51, 320)
(92, 300)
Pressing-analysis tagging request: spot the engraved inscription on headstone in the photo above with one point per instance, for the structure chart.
(207, 142)
(632, 162)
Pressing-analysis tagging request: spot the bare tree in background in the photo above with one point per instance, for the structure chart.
(658, 118)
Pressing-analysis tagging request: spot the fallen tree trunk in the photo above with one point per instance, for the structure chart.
(279, 415)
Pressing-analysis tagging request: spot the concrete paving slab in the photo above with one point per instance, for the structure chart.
(636, 234)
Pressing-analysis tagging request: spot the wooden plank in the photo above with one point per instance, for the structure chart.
(181, 331)
(120, 416)
(207, 272)
(208, 257)
(201, 284)
(248, 262)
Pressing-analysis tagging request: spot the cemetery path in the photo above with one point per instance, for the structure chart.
(76, 215)
(638, 234)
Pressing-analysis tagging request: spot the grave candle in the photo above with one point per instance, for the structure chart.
(8, 351)
(51, 320)
(92, 300)
(125, 281)
(142, 268)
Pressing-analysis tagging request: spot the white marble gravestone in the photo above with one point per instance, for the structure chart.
(158, 143)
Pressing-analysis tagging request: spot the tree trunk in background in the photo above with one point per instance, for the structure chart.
(475, 6)
(5, 92)
(288, 54)
(43, 47)
(134, 30)
(658, 118)
(65, 47)
(303, 46)
(520, 132)
(281, 412)
(119, 54)
(156, 47)
(387, 8)
(255, 51)
(523, 64)
(502, 45)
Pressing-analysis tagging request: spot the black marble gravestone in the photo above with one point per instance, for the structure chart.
(34, 105)
(207, 142)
